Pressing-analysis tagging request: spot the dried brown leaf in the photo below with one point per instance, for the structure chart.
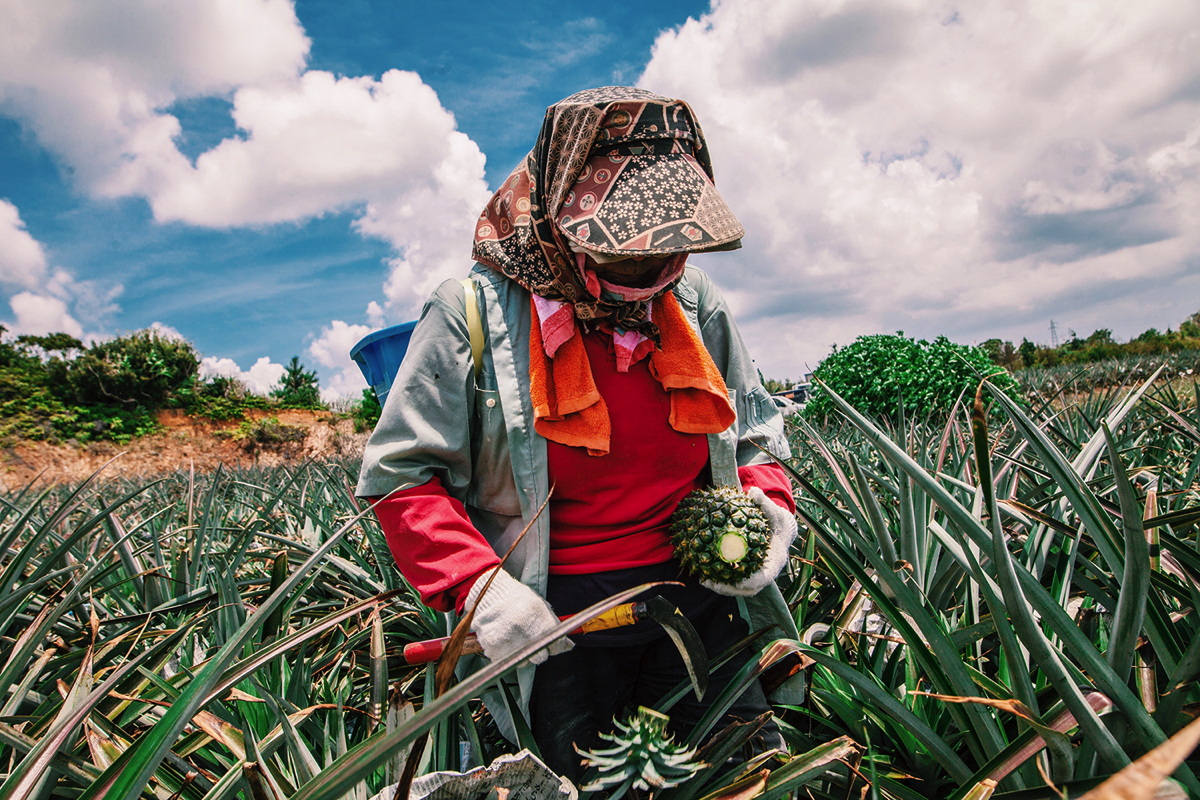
(1143, 777)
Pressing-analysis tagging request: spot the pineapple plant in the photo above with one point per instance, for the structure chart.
(720, 534)
(184, 573)
(644, 756)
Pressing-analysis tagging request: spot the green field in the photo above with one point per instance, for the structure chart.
(238, 634)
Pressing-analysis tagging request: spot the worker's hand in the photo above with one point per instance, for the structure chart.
(783, 533)
(509, 616)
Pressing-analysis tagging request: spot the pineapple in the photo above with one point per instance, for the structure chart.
(720, 534)
(644, 756)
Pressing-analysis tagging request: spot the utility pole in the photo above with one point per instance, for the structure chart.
(1053, 335)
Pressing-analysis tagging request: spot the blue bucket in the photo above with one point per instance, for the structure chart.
(379, 354)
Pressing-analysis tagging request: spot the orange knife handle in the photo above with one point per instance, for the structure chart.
(432, 649)
(613, 618)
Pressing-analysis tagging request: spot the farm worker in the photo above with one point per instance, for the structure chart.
(614, 373)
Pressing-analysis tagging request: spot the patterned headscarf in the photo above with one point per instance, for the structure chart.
(602, 155)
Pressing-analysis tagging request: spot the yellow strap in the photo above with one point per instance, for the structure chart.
(474, 325)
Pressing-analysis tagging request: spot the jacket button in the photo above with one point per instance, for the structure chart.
(491, 402)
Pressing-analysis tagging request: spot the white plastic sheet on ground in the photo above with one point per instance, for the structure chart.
(523, 775)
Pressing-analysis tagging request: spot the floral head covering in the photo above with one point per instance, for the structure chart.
(615, 170)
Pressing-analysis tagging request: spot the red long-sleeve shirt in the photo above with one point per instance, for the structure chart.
(607, 513)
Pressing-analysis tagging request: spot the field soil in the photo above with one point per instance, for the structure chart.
(264, 438)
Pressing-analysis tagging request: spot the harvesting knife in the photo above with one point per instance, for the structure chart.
(682, 634)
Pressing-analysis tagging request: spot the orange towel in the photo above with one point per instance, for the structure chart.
(699, 399)
(568, 409)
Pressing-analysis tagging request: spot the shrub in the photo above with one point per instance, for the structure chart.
(116, 423)
(30, 405)
(62, 343)
(53, 388)
(1100, 346)
(298, 388)
(140, 369)
(218, 397)
(1029, 353)
(39, 390)
(366, 411)
(876, 373)
(268, 434)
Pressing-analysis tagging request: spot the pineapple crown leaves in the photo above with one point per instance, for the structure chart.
(644, 754)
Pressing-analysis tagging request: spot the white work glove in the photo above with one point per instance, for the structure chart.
(510, 616)
(783, 533)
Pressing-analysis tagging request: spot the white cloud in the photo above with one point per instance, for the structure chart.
(39, 315)
(91, 78)
(322, 144)
(340, 376)
(54, 301)
(375, 315)
(331, 350)
(974, 172)
(571, 42)
(318, 144)
(165, 331)
(431, 226)
(94, 82)
(263, 376)
(22, 259)
(92, 302)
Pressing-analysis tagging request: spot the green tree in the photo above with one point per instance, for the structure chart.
(1190, 327)
(298, 388)
(878, 373)
(1028, 351)
(772, 385)
(1151, 336)
(1002, 353)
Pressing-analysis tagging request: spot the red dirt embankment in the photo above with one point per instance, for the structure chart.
(186, 442)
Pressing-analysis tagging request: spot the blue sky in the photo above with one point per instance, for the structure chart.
(243, 293)
(273, 179)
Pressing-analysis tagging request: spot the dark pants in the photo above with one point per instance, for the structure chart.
(577, 694)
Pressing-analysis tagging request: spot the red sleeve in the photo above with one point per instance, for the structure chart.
(435, 546)
(772, 480)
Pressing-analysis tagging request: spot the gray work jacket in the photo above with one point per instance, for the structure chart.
(476, 434)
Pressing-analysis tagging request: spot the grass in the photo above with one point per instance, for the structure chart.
(985, 606)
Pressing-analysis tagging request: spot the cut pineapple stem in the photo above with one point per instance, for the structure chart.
(733, 547)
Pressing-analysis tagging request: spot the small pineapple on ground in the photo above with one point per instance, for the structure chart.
(720, 534)
(645, 756)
